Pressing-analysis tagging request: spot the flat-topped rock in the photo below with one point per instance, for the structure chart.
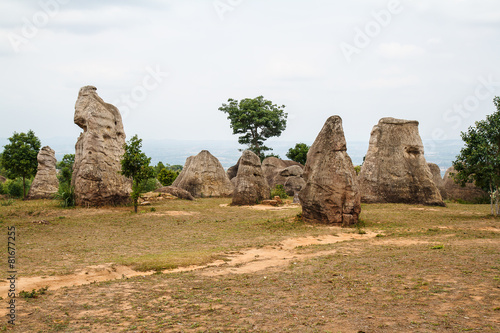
(395, 169)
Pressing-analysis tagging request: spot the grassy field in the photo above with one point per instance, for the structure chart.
(429, 269)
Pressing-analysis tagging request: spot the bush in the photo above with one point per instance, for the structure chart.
(14, 188)
(66, 195)
(149, 185)
(279, 191)
(167, 177)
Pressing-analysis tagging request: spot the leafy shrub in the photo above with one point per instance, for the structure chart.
(357, 168)
(34, 293)
(149, 185)
(167, 176)
(14, 188)
(66, 195)
(279, 190)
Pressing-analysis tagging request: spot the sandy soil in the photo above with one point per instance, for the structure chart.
(248, 261)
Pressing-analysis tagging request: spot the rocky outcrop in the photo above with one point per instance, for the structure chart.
(45, 184)
(204, 176)
(331, 192)
(272, 168)
(175, 191)
(98, 152)
(395, 170)
(250, 184)
(453, 191)
(436, 175)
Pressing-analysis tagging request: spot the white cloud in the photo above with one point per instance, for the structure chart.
(399, 51)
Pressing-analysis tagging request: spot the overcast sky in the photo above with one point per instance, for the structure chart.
(169, 65)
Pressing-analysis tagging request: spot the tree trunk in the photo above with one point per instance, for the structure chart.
(491, 200)
(24, 187)
(135, 205)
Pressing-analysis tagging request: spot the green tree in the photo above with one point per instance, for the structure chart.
(257, 119)
(176, 167)
(3, 172)
(65, 167)
(135, 165)
(19, 156)
(298, 153)
(160, 166)
(167, 176)
(479, 159)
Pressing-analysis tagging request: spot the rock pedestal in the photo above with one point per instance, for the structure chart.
(395, 170)
(204, 176)
(98, 152)
(331, 192)
(45, 184)
(250, 184)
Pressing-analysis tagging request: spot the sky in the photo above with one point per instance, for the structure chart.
(169, 65)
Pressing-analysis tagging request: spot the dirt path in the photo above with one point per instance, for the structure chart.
(247, 261)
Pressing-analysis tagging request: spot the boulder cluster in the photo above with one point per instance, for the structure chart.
(327, 187)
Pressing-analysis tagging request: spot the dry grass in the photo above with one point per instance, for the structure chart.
(430, 270)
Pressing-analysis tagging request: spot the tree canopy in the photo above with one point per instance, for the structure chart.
(135, 165)
(257, 119)
(479, 159)
(298, 153)
(19, 157)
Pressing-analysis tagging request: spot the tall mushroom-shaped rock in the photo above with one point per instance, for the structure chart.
(395, 170)
(331, 193)
(204, 176)
(98, 152)
(250, 184)
(45, 184)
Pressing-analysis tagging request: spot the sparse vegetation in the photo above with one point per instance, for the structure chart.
(392, 282)
(279, 191)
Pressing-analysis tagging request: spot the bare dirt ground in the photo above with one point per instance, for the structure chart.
(403, 269)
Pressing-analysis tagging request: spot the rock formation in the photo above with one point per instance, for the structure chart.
(395, 170)
(250, 184)
(3, 179)
(331, 193)
(436, 175)
(272, 168)
(204, 176)
(175, 191)
(98, 152)
(45, 184)
(453, 191)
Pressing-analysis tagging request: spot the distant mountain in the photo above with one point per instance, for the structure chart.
(441, 152)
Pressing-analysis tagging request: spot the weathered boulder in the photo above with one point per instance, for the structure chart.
(293, 185)
(436, 175)
(453, 191)
(45, 184)
(175, 191)
(395, 170)
(272, 168)
(250, 184)
(98, 152)
(331, 192)
(292, 171)
(204, 176)
(3, 179)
